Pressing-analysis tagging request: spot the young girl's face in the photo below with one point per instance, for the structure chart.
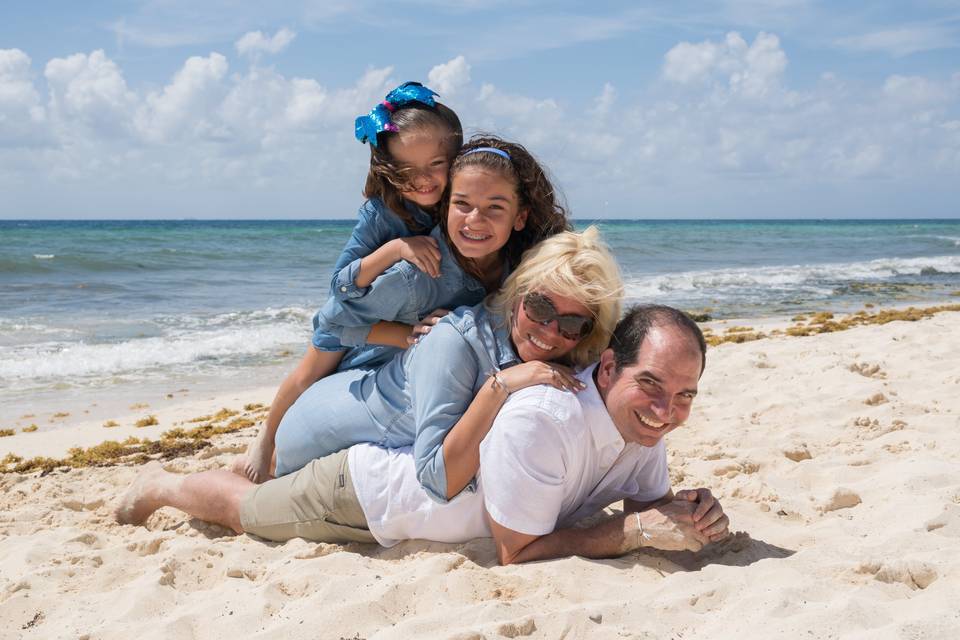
(484, 211)
(422, 156)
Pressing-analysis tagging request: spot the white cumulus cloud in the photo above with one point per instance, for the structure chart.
(446, 79)
(254, 43)
(185, 106)
(749, 70)
(16, 84)
(20, 110)
(89, 90)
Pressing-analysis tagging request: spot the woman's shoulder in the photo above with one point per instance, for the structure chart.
(475, 323)
(464, 318)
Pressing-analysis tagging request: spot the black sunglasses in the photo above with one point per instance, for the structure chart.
(540, 309)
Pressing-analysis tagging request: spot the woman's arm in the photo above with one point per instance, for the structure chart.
(391, 334)
(461, 447)
(449, 421)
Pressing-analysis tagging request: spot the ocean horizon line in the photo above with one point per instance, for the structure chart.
(573, 218)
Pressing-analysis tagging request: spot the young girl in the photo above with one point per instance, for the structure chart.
(442, 395)
(412, 140)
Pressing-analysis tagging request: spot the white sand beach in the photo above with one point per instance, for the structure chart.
(836, 456)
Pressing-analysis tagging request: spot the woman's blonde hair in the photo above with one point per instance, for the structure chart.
(574, 265)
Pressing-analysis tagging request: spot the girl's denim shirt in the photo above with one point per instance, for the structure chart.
(376, 225)
(420, 396)
(402, 293)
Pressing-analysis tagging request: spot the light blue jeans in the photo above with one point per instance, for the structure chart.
(329, 416)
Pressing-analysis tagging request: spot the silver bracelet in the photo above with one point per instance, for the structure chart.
(498, 382)
(641, 534)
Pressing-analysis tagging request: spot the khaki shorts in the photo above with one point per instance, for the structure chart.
(318, 502)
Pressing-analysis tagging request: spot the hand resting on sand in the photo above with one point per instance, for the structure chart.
(693, 519)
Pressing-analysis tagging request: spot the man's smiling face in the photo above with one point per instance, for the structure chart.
(652, 396)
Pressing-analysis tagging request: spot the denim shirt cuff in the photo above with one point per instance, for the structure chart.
(442, 498)
(354, 336)
(344, 282)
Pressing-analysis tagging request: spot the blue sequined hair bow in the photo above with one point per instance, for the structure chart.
(368, 126)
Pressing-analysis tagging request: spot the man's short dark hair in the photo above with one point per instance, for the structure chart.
(632, 330)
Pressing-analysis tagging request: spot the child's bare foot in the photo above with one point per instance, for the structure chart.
(144, 495)
(254, 465)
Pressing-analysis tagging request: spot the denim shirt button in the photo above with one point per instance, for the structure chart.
(343, 289)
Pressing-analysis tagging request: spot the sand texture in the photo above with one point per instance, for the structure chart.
(837, 457)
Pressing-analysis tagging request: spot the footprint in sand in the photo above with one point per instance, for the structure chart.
(733, 469)
(898, 448)
(708, 601)
(871, 428)
(168, 573)
(947, 523)
(249, 573)
(798, 452)
(147, 547)
(841, 498)
(91, 540)
(82, 505)
(876, 399)
(913, 573)
(868, 370)
(761, 362)
(517, 629)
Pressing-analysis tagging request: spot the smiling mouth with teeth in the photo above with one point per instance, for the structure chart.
(474, 236)
(540, 345)
(650, 424)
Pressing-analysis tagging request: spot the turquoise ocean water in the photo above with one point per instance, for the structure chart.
(94, 305)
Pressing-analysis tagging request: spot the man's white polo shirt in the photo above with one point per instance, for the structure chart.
(551, 458)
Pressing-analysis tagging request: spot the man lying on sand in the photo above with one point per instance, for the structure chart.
(551, 458)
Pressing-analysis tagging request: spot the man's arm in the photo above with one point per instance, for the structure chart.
(667, 523)
(634, 505)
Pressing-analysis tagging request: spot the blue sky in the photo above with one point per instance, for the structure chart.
(786, 108)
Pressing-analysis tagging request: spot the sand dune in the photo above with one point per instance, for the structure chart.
(836, 456)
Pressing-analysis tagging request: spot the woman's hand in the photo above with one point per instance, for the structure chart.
(423, 327)
(537, 372)
(420, 251)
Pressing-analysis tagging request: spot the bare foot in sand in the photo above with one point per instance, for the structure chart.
(255, 464)
(145, 495)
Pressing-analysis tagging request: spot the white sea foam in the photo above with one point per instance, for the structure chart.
(44, 256)
(191, 346)
(816, 280)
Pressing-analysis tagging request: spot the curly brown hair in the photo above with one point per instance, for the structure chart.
(385, 179)
(546, 215)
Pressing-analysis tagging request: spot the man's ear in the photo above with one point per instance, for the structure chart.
(606, 369)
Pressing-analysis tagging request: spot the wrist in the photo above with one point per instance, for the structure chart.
(499, 385)
(643, 536)
(396, 248)
(637, 534)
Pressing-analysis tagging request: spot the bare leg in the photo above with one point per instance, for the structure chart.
(213, 496)
(255, 464)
